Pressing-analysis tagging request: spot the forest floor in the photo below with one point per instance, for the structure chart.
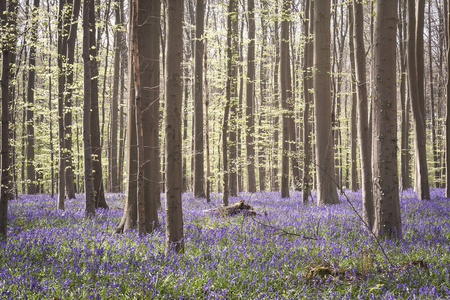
(288, 250)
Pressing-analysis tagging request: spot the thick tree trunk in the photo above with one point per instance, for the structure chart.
(199, 173)
(417, 101)
(172, 112)
(87, 62)
(250, 95)
(69, 170)
(286, 96)
(385, 186)
(364, 134)
(325, 169)
(95, 121)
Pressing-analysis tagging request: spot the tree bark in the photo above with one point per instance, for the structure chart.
(172, 112)
(447, 117)
(385, 186)
(286, 96)
(250, 95)
(69, 169)
(307, 111)
(87, 62)
(95, 121)
(276, 105)
(325, 169)
(417, 100)
(364, 134)
(199, 172)
(353, 129)
(8, 20)
(113, 151)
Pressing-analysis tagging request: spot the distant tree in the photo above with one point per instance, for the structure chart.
(275, 184)
(172, 112)
(447, 124)
(325, 169)
(385, 180)
(199, 172)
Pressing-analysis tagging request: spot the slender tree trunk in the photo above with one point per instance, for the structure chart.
(31, 172)
(286, 97)
(172, 112)
(69, 170)
(199, 173)
(432, 103)
(447, 117)
(364, 134)
(124, 61)
(385, 185)
(208, 156)
(307, 111)
(353, 134)
(50, 89)
(113, 163)
(250, 95)
(232, 15)
(129, 217)
(416, 94)
(95, 122)
(404, 156)
(62, 50)
(325, 169)
(9, 38)
(276, 105)
(88, 170)
(235, 108)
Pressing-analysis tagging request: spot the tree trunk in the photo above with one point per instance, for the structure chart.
(122, 136)
(232, 15)
(114, 184)
(353, 131)
(385, 186)
(63, 28)
(88, 170)
(447, 118)
(199, 173)
(147, 82)
(405, 182)
(69, 173)
(208, 157)
(276, 105)
(95, 122)
(250, 95)
(286, 97)
(129, 217)
(364, 134)
(31, 172)
(307, 86)
(50, 89)
(234, 108)
(417, 100)
(172, 112)
(9, 38)
(325, 169)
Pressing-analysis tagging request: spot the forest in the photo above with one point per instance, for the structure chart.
(239, 149)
